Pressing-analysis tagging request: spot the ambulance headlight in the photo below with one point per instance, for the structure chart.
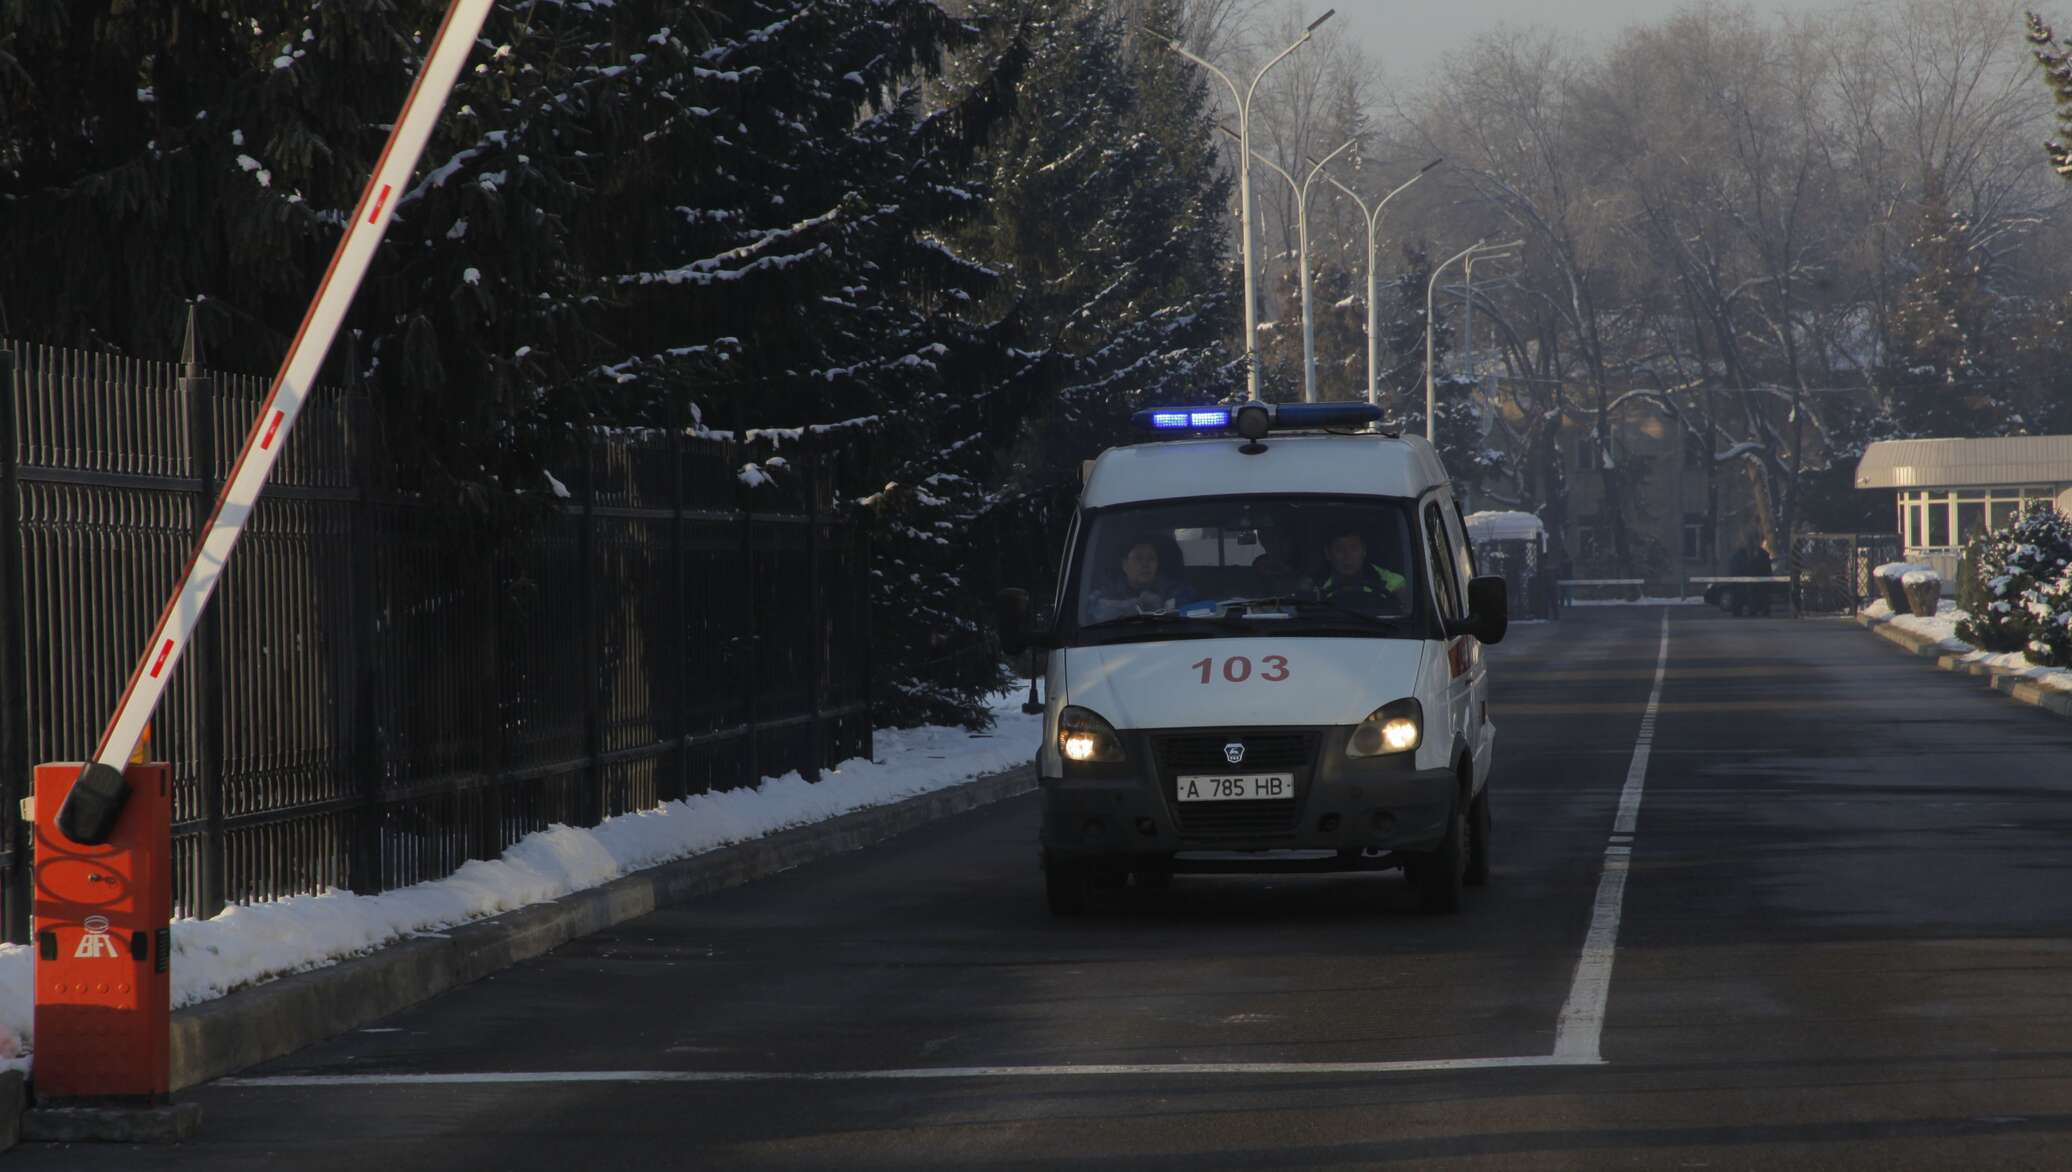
(1085, 738)
(1397, 727)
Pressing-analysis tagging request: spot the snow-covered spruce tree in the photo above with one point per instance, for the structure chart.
(2050, 613)
(812, 279)
(1115, 289)
(1946, 375)
(2056, 59)
(161, 152)
(2015, 566)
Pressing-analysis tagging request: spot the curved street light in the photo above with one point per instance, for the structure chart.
(1244, 174)
(1431, 394)
(1301, 193)
(1372, 217)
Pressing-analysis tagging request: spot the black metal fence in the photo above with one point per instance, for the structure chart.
(382, 689)
(1831, 572)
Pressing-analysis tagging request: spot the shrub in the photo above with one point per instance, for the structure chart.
(2012, 564)
(1971, 586)
(2050, 612)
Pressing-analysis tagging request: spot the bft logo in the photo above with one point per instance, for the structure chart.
(96, 943)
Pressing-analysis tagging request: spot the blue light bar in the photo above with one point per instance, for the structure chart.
(1183, 419)
(1285, 417)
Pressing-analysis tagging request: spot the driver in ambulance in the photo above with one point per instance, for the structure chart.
(1140, 588)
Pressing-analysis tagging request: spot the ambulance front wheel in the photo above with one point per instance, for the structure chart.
(1439, 876)
(1478, 841)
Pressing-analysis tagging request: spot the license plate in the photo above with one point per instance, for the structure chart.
(1235, 787)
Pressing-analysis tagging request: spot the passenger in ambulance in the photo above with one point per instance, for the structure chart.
(1140, 586)
(1356, 583)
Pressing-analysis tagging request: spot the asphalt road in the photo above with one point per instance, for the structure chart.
(1842, 943)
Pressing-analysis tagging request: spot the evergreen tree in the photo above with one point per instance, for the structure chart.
(1946, 376)
(1106, 197)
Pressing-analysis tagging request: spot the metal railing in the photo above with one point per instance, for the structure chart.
(384, 688)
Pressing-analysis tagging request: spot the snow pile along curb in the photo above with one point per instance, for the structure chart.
(249, 944)
(1936, 638)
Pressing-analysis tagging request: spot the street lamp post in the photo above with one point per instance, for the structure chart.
(1373, 220)
(1468, 327)
(1244, 176)
(1431, 392)
(1301, 194)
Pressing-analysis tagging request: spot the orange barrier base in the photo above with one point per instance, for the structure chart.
(103, 944)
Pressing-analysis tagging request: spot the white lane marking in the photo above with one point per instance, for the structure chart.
(482, 1078)
(1581, 1028)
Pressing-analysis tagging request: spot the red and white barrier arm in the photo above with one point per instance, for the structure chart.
(89, 813)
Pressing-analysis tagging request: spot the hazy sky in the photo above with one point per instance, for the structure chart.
(1404, 36)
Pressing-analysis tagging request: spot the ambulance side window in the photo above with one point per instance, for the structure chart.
(1439, 555)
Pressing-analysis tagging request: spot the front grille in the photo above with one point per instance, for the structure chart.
(1238, 819)
(1264, 753)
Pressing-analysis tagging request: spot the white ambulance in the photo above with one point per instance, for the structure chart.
(1264, 655)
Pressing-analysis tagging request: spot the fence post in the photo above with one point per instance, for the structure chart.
(751, 764)
(678, 614)
(593, 689)
(15, 889)
(816, 610)
(363, 737)
(198, 393)
(860, 553)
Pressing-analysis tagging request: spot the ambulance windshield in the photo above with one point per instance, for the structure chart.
(1307, 565)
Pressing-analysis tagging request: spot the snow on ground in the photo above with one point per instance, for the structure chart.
(1943, 629)
(252, 943)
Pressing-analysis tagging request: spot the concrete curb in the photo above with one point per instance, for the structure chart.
(1950, 658)
(263, 1022)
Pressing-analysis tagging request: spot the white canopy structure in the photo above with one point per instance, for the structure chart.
(1505, 526)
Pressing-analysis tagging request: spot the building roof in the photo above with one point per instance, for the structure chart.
(1350, 465)
(1966, 463)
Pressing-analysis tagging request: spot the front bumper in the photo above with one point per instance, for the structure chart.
(1347, 814)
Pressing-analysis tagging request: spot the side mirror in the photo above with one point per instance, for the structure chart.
(1489, 610)
(1011, 617)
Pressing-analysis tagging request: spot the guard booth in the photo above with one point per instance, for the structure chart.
(1513, 546)
(1950, 490)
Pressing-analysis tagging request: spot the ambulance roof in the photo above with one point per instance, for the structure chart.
(1344, 465)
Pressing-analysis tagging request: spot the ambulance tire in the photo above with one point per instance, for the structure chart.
(1440, 875)
(1067, 887)
(1478, 841)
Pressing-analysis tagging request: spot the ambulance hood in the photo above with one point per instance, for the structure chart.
(1326, 681)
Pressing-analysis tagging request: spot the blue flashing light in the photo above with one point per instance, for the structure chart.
(1282, 416)
(1183, 419)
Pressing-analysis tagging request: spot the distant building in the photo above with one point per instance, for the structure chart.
(1950, 490)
